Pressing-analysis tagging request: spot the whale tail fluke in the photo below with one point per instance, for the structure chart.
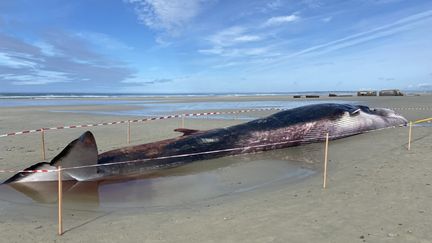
(80, 152)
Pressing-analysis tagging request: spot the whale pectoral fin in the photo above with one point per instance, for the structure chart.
(186, 131)
(80, 152)
(355, 112)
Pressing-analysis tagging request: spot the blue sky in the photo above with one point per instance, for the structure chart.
(192, 46)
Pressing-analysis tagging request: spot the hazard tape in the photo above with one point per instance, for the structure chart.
(27, 171)
(188, 154)
(170, 117)
(411, 108)
(137, 120)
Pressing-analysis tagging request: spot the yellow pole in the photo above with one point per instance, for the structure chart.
(43, 144)
(60, 201)
(409, 135)
(325, 160)
(129, 132)
(423, 120)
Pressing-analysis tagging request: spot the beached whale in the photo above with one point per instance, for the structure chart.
(292, 127)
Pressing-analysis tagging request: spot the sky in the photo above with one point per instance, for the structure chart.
(200, 46)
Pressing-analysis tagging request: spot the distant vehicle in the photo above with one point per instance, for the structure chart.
(391, 92)
(367, 93)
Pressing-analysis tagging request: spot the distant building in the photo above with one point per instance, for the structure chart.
(367, 93)
(390, 92)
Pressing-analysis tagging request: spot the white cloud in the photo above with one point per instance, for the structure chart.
(424, 85)
(146, 81)
(166, 14)
(327, 19)
(232, 36)
(46, 48)
(312, 3)
(358, 38)
(16, 61)
(103, 40)
(278, 20)
(240, 52)
(39, 77)
(236, 42)
(274, 4)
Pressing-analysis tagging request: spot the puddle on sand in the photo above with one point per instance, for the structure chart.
(187, 184)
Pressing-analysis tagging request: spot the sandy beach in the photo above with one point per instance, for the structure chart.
(378, 191)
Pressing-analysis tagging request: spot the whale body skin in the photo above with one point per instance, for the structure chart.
(302, 125)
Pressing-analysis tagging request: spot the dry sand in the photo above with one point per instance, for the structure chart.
(377, 190)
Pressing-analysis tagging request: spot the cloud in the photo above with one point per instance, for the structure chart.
(274, 5)
(312, 3)
(37, 77)
(327, 19)
(230, 43)
(278, 20)
(361, 37)
(386, 79)
(169, 15)
(232, 36)
(383, 1)
(104, 40)
(239, 52)
(427, 86)
(144, 81)
(16, 60)
(58, 58)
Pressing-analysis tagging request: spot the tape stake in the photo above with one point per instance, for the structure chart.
(129, 132)
(60, 201)
(43, 144)
(409, 135)
(325, 161)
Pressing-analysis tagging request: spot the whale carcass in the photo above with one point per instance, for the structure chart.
(306, 124)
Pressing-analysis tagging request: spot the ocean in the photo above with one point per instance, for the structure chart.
(148, 107)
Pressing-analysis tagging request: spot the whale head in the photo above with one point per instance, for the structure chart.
(388, 116)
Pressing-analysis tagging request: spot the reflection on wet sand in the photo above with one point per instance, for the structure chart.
(189, 183)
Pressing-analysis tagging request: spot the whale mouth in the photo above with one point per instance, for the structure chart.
(393, 117)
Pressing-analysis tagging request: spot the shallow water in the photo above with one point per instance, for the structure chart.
(185, 185)
(167, 108)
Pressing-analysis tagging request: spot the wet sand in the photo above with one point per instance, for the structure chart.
(377, 190)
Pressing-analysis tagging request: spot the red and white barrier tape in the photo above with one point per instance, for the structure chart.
(27, 171)
(412, 108)
(137, 120)
(169, 117)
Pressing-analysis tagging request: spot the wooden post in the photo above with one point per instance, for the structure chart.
(129, 132)
(182, 121)
(43, 144)
(325, 160)
(409, 135)
(60, 201)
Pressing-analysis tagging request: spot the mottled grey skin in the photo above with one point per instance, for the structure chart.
(293, 127)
